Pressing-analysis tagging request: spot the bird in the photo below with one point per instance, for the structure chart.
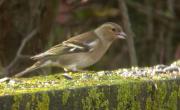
(80, 51)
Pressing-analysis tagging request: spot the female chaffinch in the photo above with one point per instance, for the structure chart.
(79, 51)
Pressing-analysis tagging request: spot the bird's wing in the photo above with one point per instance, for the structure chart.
(77, 44)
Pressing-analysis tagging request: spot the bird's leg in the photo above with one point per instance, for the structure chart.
(45, 72)
(66, 75)
(81, 70)
(85, 74)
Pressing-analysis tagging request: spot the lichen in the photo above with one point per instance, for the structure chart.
(149, 103)
(16, 102)
(128, 92)
(172, 99)
(43, 102)
(159, 95)
(163, 97)
(96, 100)
(36, 101)
(65, 96)
(126, 96)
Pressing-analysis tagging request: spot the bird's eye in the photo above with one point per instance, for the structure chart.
(113, 29)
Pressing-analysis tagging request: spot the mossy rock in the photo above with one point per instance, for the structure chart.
(105, 90)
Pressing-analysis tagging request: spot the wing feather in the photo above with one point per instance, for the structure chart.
(81, 43)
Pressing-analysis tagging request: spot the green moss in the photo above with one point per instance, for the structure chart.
(159, 95)
(31, 102)
(96, 100)
(148, 103)
(172, 99)
(178, 90)
(129, 92)
(28, 105)
(58, 82)
(36, 101)
(65, 96)
(135, 93)
(43, 102)
(16, 102)
(126, 97)
(163, 97)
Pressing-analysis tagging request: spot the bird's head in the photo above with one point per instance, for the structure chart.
(111, 31)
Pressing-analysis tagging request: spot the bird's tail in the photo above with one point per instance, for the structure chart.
(4, 79)
(39, 56)
(35, 66)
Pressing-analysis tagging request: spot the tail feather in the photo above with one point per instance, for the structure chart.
(4, 79)
(31, 68)
(36, 57)
(37, 65)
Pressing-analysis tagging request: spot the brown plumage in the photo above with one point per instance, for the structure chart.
(79, 51)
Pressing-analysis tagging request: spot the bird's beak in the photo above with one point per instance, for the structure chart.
(121, 35)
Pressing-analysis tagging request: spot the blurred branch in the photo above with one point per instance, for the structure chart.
(159, 15)
(169, 49)
(160, 46)
(128, 30)
(170, 5)
(21, 47)
(1, 2)
(150, 26)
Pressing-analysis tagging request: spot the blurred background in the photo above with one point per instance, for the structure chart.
(28, 27)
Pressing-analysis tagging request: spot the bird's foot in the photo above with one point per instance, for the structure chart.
(67, 76)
